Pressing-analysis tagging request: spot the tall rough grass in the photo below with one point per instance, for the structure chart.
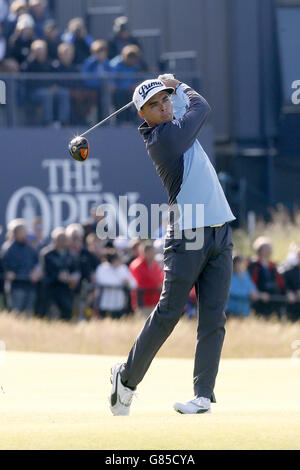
(245, 338)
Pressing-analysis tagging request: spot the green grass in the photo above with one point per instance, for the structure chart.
(59, 401)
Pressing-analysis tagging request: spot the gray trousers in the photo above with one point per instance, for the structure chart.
(210, 270)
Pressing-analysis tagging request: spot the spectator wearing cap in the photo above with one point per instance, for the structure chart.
(124, 70)
(45, 93)
(52, 37)
(22, 270)
(121, 37)
(77, 35)
(9, 239)
(16, 9)
(266, 277)
(22, 38)
(243, 291)
(61, 273)
(112, 277)
(149, 276)
(40, 13)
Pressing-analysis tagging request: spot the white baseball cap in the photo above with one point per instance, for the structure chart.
(144, 91)
(25, 21)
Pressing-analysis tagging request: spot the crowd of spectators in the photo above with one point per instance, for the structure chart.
(266, 288)
(31, 42)
(75, 276)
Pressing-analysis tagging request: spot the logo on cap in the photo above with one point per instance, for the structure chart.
(145, 89)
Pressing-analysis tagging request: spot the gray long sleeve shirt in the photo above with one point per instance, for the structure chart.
(183, 166)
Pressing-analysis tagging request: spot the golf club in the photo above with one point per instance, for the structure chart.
(79, 146)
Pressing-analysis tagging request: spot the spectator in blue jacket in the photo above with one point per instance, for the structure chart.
(77, 35)
(242, 290)
(125, 69)
(97, 63)
(22, 270)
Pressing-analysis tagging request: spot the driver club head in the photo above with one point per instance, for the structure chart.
(79, 148)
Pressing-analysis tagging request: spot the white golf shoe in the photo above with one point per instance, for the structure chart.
(196, 406)
(121, 396)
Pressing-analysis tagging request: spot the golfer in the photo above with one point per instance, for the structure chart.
(173, 115)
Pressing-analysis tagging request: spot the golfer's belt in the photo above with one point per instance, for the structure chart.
(217, 225)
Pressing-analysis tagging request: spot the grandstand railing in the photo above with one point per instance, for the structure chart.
(15, 112)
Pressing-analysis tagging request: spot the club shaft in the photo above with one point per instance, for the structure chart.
(107, 118)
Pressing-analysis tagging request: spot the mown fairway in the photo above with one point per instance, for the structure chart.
(59, 401)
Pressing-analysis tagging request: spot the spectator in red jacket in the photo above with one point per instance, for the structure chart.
(265, 276)
(149, 277)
